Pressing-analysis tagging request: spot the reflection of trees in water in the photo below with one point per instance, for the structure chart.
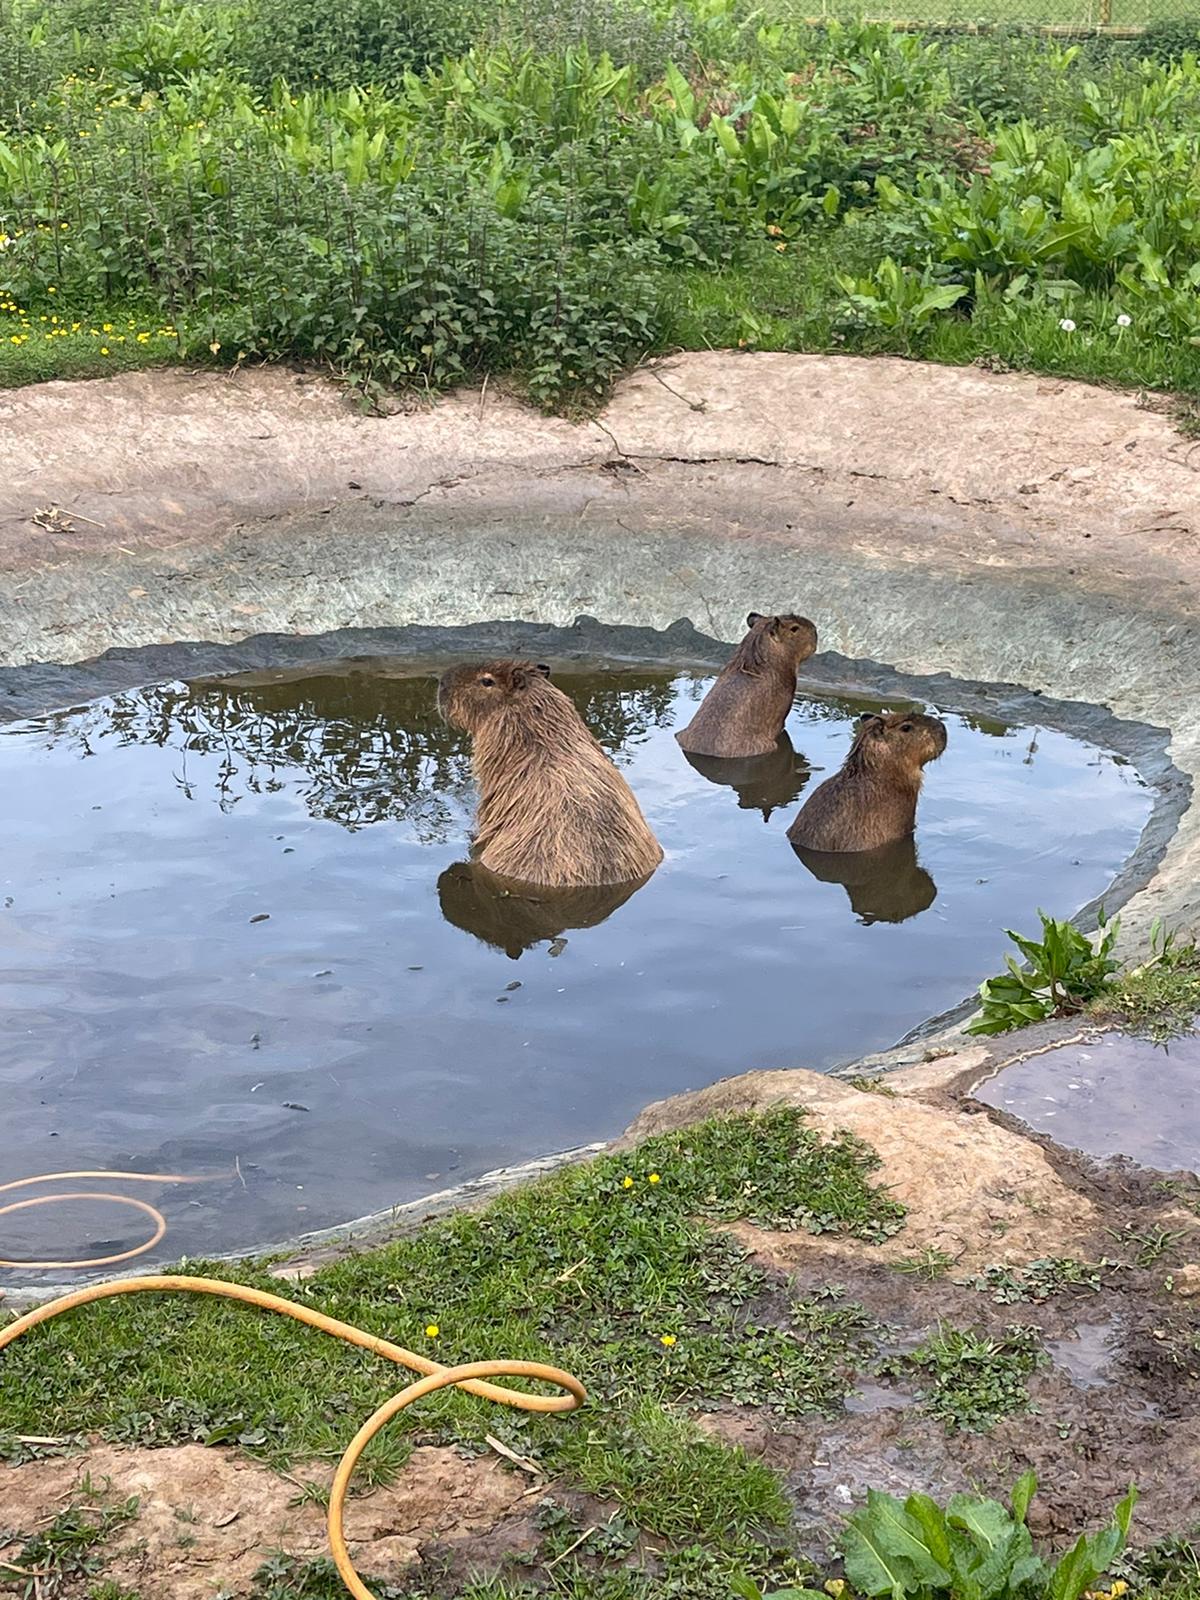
(357, 748)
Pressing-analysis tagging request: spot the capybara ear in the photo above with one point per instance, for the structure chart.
(868, 717)
(543, 669)
(518, 678)
(754, 618)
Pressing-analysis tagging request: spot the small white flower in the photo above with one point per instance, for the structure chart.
(1066, 325)
(1123, 321)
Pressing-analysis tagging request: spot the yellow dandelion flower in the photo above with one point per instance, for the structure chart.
(669, 1340)
(104, 350)
(627, 1183)
(52, 289)
(107, 326)
(432, 1331)
(654, 1178)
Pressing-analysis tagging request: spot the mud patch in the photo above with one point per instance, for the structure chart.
(208, 1519)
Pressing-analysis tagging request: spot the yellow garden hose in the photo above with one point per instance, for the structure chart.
(472, 1376)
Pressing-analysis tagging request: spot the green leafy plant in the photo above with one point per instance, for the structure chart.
(745, 1589)
(896, 299)
(975, 1548)
(1065, 972)
(970, 1380)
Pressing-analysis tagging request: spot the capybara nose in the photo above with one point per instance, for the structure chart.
(942, 733)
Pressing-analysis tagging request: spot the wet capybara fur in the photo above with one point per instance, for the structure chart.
(513, 916)
(553, 809)
(887, 884)
(744, 712)
(873, 799)
(761, 783)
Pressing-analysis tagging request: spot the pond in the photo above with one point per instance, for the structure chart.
(242, 939)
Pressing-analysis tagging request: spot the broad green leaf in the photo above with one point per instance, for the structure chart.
(987, 1521)
(931, 1520)
(1023, 1492)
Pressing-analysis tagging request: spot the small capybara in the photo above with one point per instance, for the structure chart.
(744, 712)
(513, 916)
(888, 884)
(873, 799)
(761, 783)
(553, 809)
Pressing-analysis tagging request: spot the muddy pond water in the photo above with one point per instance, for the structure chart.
(241, 939)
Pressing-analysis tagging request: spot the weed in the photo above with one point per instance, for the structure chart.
(68, 1550)
(971, 1381)
(931, 1264)
(1161, 998)
(974, 1547)
(1064, 971)
(1150, 1247)
(1038, 1281)
(876, 1083)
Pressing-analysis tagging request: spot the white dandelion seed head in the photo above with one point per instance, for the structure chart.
(1066, 325)
(1123, 321)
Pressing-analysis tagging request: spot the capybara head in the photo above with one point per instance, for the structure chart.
(468, 696)
(783, 638)
(903, 740)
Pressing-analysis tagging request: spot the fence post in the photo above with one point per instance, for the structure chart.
(1106, 13)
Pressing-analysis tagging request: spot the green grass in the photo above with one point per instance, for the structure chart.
(607, 1269)
(969, 1381)
(35, 346)
(1162, 998)
(68, 1549)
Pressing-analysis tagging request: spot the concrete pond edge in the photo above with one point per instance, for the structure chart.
(1004, 541)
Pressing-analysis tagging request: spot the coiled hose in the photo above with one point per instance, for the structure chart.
(471, 1376)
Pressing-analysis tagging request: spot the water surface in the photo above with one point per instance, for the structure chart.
(240, 936)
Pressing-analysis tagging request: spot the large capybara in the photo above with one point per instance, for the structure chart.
(553, 809)
(513, 916)
(761, 783)
(888, 884)
(873, 799)
(744, 712)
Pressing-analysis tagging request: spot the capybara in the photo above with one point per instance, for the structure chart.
(888, 884)
(873, 799)
(744, 712)
(513, 916)
(553, 809)
(761, 783)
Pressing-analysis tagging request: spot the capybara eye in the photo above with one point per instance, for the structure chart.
(488, 681)
(906, 727)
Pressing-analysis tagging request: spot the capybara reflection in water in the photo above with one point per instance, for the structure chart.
(553, 809)
(513, 916)
(761, 783)
(887, 884)
(744, 712)
(873, 799)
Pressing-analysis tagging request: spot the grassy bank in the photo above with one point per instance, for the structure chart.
(624, 1272)
(421, 195)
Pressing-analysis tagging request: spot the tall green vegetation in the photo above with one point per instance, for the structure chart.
(426, 192)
